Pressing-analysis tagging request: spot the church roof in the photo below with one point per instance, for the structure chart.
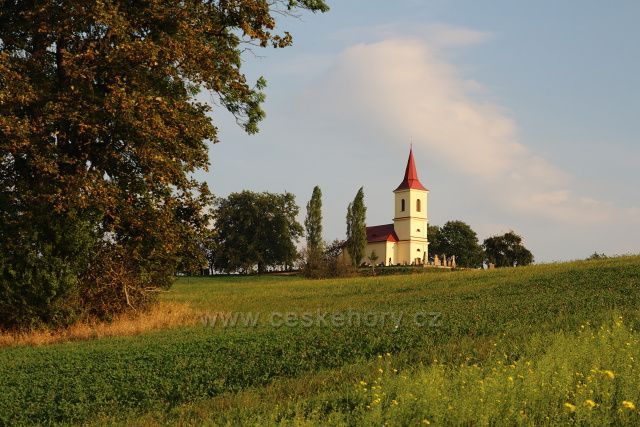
(381, 233)
(410, 176)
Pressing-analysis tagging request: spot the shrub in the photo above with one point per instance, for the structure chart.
(39, 267)
(327, 264)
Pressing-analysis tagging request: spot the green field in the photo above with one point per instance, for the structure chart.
(535, 345)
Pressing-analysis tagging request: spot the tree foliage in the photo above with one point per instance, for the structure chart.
(315, 263)
(507, 250)
(456, 238)
(255, 231)
(327, 263)
(334, 266)
(357, 228)
(313, 221)
(597, 255)
(100, 132)
(435, 241)
(39, 270)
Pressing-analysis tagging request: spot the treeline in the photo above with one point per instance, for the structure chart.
(459, 239)
(258, 232)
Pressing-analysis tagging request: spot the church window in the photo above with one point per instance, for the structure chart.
(418, 205)
(402, 205)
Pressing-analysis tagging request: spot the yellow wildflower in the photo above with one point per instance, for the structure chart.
(609, 374)
(569, 407)
(394, 402)
(589, 403)
(380, 370)
(627, 404)
(363, 383)
(426, 422)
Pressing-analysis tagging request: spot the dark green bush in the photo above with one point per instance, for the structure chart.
(39, 268)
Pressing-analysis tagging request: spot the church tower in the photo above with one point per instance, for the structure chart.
(410, 221)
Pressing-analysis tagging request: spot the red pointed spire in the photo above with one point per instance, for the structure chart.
(411, 176)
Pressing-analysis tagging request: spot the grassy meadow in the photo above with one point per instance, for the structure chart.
(551, 344)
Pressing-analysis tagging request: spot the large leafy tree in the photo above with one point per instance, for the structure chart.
(357, 228)
(255, 231)
(456, 238)
(507, 250)
(100, 131)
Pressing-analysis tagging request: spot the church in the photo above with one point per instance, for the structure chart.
(405, 240)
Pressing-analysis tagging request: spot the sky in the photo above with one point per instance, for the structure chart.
(523, 116)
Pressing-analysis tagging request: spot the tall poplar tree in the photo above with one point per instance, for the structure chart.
(100, 133)
(357, 228)
(313, 222)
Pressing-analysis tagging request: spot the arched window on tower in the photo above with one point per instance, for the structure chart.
(418, 205)
(402, 205)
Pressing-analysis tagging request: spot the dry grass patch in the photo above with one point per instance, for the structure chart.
(163, 315)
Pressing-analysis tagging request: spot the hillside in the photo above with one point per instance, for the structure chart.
(314, 370)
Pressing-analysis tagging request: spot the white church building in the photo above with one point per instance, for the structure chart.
(405, 240)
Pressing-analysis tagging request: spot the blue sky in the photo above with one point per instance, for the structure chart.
(523, 116)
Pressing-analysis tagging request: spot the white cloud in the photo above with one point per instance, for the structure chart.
(404, 86)
(448, 35)
(437, 35)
